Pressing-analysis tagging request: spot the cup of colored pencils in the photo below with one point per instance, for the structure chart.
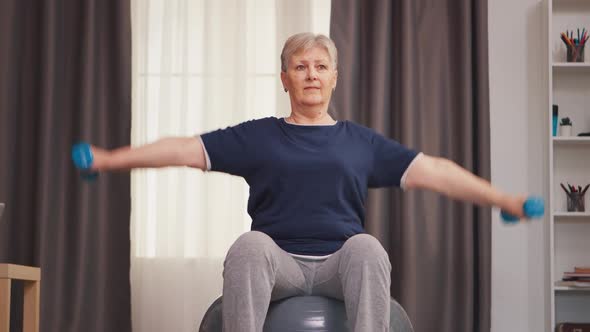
(574, 44)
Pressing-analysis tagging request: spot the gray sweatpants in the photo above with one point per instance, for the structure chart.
(257, 271)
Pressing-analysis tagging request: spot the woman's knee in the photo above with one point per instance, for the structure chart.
(251, 246)
(366, 247)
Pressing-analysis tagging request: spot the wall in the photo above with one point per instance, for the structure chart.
(519, 153)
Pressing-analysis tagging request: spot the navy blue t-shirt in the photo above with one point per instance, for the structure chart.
(308, 184)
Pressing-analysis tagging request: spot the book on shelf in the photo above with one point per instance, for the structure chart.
(572, 327)
(582, 269)
(575, 275)
(579, 278)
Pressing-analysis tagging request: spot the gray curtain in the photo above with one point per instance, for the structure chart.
(417, 71)
(65, 75)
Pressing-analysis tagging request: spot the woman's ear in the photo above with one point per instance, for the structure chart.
(285, 81)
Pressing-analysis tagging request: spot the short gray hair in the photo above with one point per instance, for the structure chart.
(304, 41)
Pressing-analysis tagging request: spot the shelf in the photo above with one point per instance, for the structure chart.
(571, 140)
(571, 65)
(571, 68)
(571, 214)
(571, 289)
(568, 286)
(571, 7)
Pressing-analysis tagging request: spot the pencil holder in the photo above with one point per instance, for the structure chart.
(575, 53)
(575, 202)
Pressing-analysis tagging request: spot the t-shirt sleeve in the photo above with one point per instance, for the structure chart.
(230, 150)
(390, 161)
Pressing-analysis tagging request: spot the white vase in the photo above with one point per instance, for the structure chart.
(565, 130)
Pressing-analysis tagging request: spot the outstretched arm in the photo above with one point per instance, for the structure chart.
(173, 151)
(446, 177)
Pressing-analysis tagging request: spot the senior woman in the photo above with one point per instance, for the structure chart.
(308, 176)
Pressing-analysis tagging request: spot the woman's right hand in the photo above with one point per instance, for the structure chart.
(100, 160)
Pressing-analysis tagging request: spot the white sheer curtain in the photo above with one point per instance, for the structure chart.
(198, 65)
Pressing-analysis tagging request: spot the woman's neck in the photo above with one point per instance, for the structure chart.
(311, 116)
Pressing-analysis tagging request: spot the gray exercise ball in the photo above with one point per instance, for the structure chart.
(306, 313)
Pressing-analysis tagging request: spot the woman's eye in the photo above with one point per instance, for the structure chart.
(323, 67)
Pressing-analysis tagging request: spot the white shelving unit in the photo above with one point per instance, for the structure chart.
(569, 162)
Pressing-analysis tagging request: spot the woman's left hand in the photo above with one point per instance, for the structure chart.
(514, 205)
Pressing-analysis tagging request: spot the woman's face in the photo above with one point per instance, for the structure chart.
(310, 77)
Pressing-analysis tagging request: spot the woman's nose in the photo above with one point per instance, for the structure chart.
(312, 74)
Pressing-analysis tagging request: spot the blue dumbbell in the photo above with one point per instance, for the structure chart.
(83, 158)
(534, 207)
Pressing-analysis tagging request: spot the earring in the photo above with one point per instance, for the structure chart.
(285, 89)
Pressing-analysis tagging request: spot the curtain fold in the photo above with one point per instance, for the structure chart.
(417, 71)
(66, 76)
